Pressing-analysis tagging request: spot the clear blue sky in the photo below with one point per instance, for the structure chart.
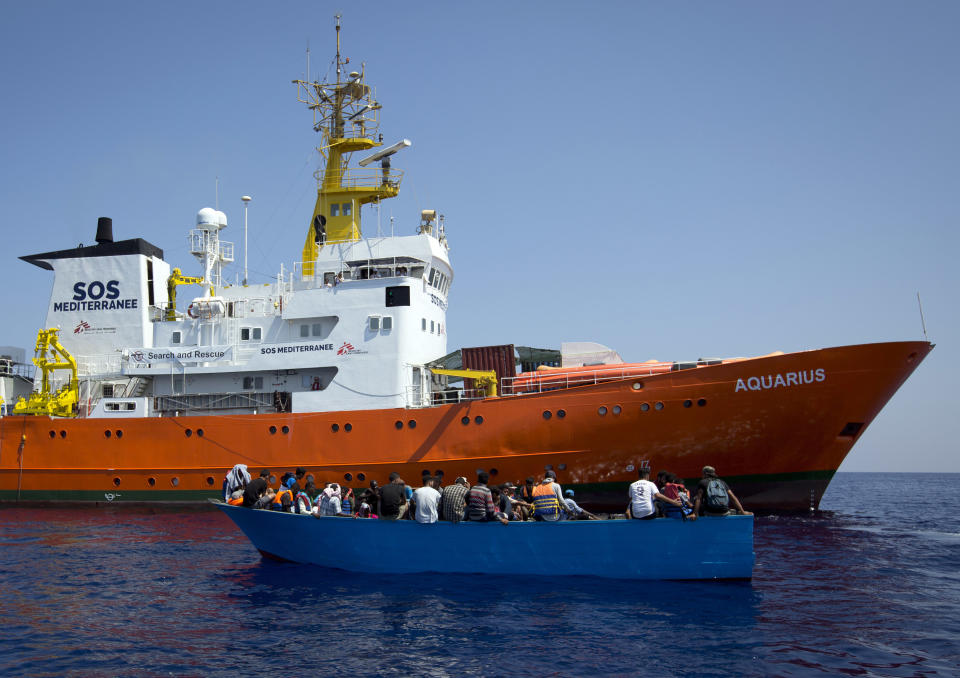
(674, 180)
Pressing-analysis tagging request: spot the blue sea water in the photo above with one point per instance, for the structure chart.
(870, 586)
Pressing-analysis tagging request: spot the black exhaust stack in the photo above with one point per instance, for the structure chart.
(104, 230)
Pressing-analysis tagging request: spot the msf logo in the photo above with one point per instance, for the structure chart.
(82, 327)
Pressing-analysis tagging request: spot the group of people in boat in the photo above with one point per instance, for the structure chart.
(543, 500)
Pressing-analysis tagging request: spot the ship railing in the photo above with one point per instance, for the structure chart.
(253, 401)
(553, 380)
(108, 364)
(357, 269)
(365, 178)
(10, 368)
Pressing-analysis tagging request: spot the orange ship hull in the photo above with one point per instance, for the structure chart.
(775, 427)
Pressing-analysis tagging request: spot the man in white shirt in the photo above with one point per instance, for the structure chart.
(426, 499)
(642, 494)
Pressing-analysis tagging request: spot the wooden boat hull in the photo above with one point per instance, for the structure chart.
(776, 428)
(709, 548)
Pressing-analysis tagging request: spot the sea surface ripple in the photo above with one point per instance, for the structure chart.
(870, 586)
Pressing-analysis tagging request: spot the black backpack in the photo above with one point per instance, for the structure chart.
(717, 497)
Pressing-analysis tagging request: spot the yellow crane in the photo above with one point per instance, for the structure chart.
(486, 379)
(177, 278)
(63, 401)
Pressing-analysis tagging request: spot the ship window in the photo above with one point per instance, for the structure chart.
(386, 323)
(397, 296)
(251, 383)
(335, 210)
(304, 330)
(176, 338)
(317, 329)
(250, 333)
(257, 333)
(244, 334)
(374, 323)
(431, 327)
(423, 324)
(347, 209)
(108, 390)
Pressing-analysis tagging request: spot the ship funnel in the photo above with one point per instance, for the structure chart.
(104, 230)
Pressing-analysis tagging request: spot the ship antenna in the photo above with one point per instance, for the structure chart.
(922, 323)
(337, 16)
(308, 60)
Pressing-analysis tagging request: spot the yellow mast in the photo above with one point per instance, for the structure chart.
(348, 119)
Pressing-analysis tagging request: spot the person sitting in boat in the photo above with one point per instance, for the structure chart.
(283, 499)
(673, 488)
(526, 492)
(714, 496)
(306, 497)
(453, 500)
(235, 481)
(510, 505)
(548, 501)
(576, 513)
(500, 515)
(642, 495)
(425, 501)
(480, 506)
(331, 502)
(255, 495)
(346, 500)
(393, 498)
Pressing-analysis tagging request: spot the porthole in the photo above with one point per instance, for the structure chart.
(199, 432)
(617, 409)
(602, 411)
(494, 471)
(348, 427)
(478, 420)
(309, 477)
(561, 467)
(151, 481)
(548, 467)
(335, 428)
(659, 406)
(561, 413)
(412, 423)
(361, 477)
(273, 479)
(702, 402)
(188, 432)
(273, 430)
(637, 385)
(479, 471)
(465, 421)
(107, 434)
(547, 414)
(116, 481)
(285, 430)
(688, 403)
(53, 434)
(63, 434)
(210, 480)
(398, 425)
(119, 433)
(174, 481)
(424, 473)
(348, 477)
(644, 407)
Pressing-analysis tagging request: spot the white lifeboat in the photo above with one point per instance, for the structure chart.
(207, 308)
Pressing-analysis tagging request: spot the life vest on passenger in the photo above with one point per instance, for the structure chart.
(236, 502)
(545, 502)
(278, 500)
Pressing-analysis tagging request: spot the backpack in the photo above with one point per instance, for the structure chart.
(717, 498)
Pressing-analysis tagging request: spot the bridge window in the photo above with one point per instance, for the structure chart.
(251, 383)
(335, 210)
(347, 209)
(250, 333)
(176, 338)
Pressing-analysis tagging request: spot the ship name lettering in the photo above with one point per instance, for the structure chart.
(297, 348)
(768, 381)
(108, 305)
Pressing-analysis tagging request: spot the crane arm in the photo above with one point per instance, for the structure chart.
(486, 379)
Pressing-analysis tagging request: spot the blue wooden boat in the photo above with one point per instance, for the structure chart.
(709, 548)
